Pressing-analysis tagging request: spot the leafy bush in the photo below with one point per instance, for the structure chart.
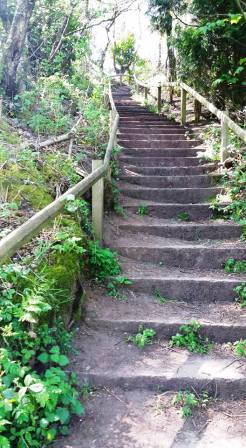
(143, 337)
(103, 262)
(47, 108)
(241, 294)
(190, 338)
(38, 398)
(188, 401)
(232, 265)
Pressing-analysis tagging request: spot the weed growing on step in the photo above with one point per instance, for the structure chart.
(241, 294)
(86, 390)
(116, 201)
(237, 266)
(188, 401)
(103, 262)
(183, 216)
(143, 337)
(161, 299)
(190, 338)
(240, 348)
(142, 210)
(114, 284)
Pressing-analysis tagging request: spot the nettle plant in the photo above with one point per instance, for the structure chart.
(37, 397)
(189, 337)
(143, 337)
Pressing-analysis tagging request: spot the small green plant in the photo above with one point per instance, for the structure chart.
(237, 266)
(103, 262)
(8, 209)
(65, 243)
(143, 337)
(142, 210)
(240, 348)
(87, 390)
(188, 401)
(80, 208)
(183, 216)
(161, 299)
(114, 284)
(190, 338)
(241, 294)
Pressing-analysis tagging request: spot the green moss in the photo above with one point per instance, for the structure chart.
(7, 135)
(23, 184)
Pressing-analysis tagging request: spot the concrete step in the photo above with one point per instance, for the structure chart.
(106, 359)
(115, 418)
(189, 231)
(149, 137)
(156, 144)
(178, 253)
(152, 125)
(128, 169)
(172, 181)
(165, 210)
(161, 152)
(189, 285)
(145, 119)
(155, 131)
(160, 161)
(170, 195)
(221, 322)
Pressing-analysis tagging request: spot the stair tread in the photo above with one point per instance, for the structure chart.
(108, 356)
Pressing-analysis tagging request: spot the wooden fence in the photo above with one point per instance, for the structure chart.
(226, 122)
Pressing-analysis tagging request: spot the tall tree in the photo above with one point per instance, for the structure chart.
(15, 45)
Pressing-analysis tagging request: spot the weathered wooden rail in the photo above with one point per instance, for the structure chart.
(11, 243)
(226, 122)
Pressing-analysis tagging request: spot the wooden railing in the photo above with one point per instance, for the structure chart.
(226, 122)
(11, 243)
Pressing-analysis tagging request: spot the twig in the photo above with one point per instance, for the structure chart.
(70, 148)
(115, 396)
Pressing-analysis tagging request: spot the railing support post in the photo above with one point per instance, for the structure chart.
(197, 110)
(138, 89)
(183, 106)
(97, 203)
(224, 140)
(159, 100)
(146, 93)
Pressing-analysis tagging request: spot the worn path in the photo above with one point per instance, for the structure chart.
(181, 260)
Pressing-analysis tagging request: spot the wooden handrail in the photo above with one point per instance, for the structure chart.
(11, 243)
(226, 121)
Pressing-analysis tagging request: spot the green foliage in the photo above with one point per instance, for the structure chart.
(8, 209)
(142, 210)
(103, 262)
(95, 131)
(114, 284)
(241, 294)
(188, 401)
(143, 337)
(183, 216)
(44, 107)
(189, 337)
(38, 398)
(80, 208)
(124, 54)
(240, 348)
(232, 265)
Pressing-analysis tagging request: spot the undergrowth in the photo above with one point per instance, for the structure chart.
(236, 266)
(143, 337)
(188, 401)
(189, 337)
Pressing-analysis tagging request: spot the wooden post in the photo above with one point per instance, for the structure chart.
(97, 203)
(183, 106)
(138, 89)
(224, 140)
(159, 100)
(146, 93)
(1, 106)
(197, 110)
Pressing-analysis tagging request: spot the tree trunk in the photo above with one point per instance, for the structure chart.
(15, 44)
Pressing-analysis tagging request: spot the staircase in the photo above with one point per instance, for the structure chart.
(181, 260)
